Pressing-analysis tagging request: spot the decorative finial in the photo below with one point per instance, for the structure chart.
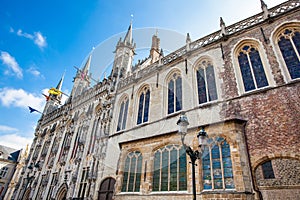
(223, 27)
(265, 10)
(188, 41)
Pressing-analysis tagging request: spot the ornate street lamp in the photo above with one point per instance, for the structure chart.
(194, 155)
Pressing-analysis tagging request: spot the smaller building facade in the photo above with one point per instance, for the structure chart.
(9, 159)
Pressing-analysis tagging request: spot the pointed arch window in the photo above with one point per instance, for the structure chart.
(123, 115)
(175, 93)
(132, 172)
(217, 165)
(169, 172)
(289, 44)
(143, 110)
(207, 90)
(251, 68)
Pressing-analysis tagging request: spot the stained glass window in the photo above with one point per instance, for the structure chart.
(174, 94)
(217, 165)
(206, 83)
(143, 110)
(169, 172)
(251, 67)
(123, 115)
(132, 172)
(268, 170)
(289, 44)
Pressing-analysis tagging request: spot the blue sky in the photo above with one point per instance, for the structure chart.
(40, 40)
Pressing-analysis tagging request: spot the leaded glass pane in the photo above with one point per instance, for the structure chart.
(246, 72)
(201, 86)
(147, 101)
(132, 174)
(211, 83)
(258, 69)
(125, 115)
(138, 174)
(140, 112)
(173, 170)
(165, 171)
(171, 97)
(178, 94)
(217, 173)
(207, 179)
(156, 172)
(125, 175)
(290, 57)
(227, 166)
(182, 170)
(120, 117)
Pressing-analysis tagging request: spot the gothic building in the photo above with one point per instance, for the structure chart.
(119, 140)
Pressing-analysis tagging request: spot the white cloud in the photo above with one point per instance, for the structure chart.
(32, 70)
(6, 129)
(36, 37)
(15, 141)
(40, 40)
(20, 98)
(12, 64)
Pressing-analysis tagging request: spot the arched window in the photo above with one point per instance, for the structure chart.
(289, 44)
(106, 189)
(143, 111)
(169, 172)
(123, 115)
(132, 172)
(217, 165)
(174, 93)
(206, 82)
(251, 68)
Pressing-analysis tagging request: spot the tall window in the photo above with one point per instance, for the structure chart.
(144, 101)
(132, 172)
(251, 67)
(217, 165)
(174, 93)
(207, 90)
(53, 184)
(289, 44)
(83, 183)
(170, 169)
(123, 115)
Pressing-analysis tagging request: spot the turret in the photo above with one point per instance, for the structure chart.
(124, 56)
(155, 48)
(82, 78)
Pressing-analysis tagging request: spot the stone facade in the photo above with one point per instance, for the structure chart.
(118, 139)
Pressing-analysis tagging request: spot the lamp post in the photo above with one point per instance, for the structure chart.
(194, 155)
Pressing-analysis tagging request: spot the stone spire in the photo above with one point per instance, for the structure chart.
(265, 10)
(87, 65)
(59, 85)
(128, 38)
